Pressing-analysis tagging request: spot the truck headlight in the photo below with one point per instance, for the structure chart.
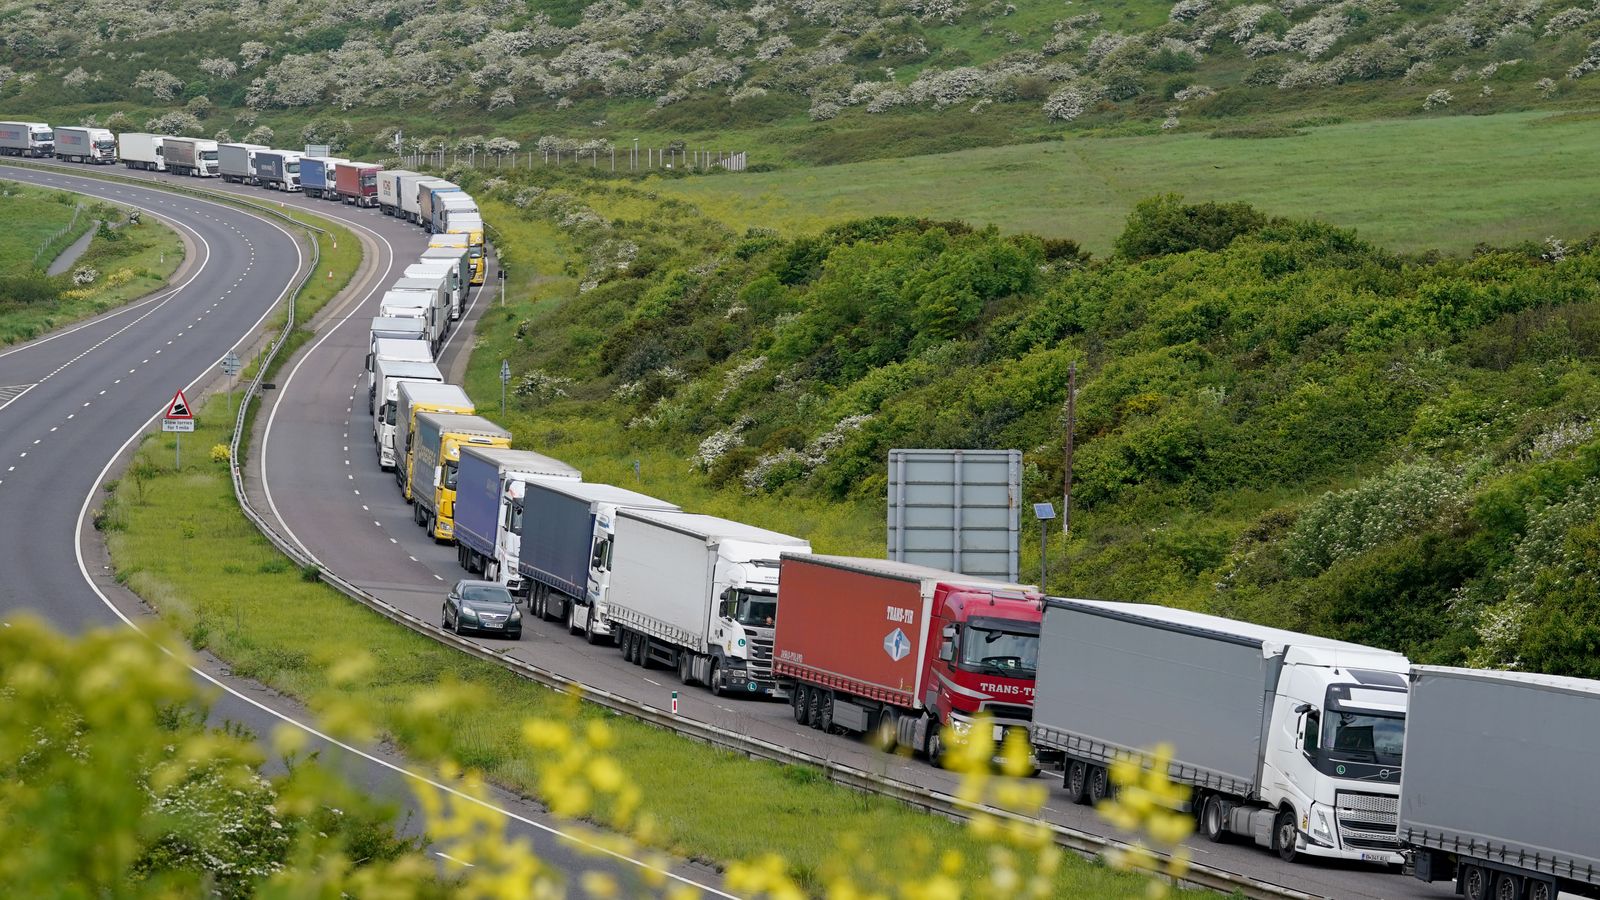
(1319, 825)
(959, 726)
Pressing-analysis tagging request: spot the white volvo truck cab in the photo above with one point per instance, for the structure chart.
(746, 581)
(1333, 757)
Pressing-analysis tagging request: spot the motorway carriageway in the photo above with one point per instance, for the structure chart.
(320, 464)
(73, 402)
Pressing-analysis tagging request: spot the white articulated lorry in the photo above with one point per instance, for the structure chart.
(1500, 792)
(27, 139)
(400, 349)
(97, 146)
(437, 289)
(236, 162)
(489, 518)
(387, 375)
(420, 305)
(142, 151)
(676, 579)
(461, 259)
(566, 550)
(1291, 740)
(441, 269)
(191, 156)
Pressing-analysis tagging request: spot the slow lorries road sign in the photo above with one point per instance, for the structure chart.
(179, 416)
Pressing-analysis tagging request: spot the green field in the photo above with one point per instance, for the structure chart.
(129, 260)
(29, 216)
(1444, 183)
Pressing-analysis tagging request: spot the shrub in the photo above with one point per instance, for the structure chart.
(1164, 224)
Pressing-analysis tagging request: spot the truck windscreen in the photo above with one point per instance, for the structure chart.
(994, 652)
(751, 609)
(1358, 736)
(210, 155)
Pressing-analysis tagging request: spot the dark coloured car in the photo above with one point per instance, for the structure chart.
(482, 606)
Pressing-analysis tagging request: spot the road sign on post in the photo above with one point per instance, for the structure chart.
(505, 379)
(230, 364)
(179, 418)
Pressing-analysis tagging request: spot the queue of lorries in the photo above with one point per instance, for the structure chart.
(438, 205)
(1287, 740)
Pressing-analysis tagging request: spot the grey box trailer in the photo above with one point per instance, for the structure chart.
(1502, 786)
(1289, 739)
(236, 162)
(956, 510)
(436, 287)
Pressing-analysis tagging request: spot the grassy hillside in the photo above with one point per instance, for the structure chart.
(1277, 419)
(815, 81)
(1439, 183)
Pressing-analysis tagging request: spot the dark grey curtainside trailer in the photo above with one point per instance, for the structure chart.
(1502, 786)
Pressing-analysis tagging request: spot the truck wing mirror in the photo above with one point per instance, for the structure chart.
(949, 632)
(947, 651)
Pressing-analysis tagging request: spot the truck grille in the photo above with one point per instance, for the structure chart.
(761, 658)
(1367, 820)
(1009, 711)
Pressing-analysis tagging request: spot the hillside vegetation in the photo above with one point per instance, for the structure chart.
(889, 77)
(1276, 419)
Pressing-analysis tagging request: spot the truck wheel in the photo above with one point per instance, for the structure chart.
(1285, 835)
(1507, 887)
(588, 629)
(572, 618)
(887, 735)
(1474, 882)
(825, 712)
(716, 678)
(802, 704)
(935, 744)
(1099, 785)
(1077, 781)
(1211, 824)
(685, 666)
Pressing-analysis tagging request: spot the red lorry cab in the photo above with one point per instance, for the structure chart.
(357, 182)
(870, 644)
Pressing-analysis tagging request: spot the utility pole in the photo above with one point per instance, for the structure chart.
(1072, 423)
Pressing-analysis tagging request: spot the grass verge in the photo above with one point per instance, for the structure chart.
(178, 539)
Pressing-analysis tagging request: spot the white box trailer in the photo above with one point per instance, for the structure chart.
(142, 151)
(414, 304)
(236, 162)
(438, 289)
(1291, 740)
(97, 146)
(671, 576)
(1500, 792)
(440, 269)
(27, 139)
(392, 187)
(397, 349)
(461, 258)
(387, 376)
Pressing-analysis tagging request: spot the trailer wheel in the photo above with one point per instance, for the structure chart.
(802, 704)
(825, 712)
(1099, 785)
(625, 641)
(1507, 887)
(1539, 889)
(1474, 882)
(1285, 836)
(1077, 781)
(1211, 824)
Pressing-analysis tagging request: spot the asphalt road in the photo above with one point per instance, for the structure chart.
(318, 463)
(73, 402)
